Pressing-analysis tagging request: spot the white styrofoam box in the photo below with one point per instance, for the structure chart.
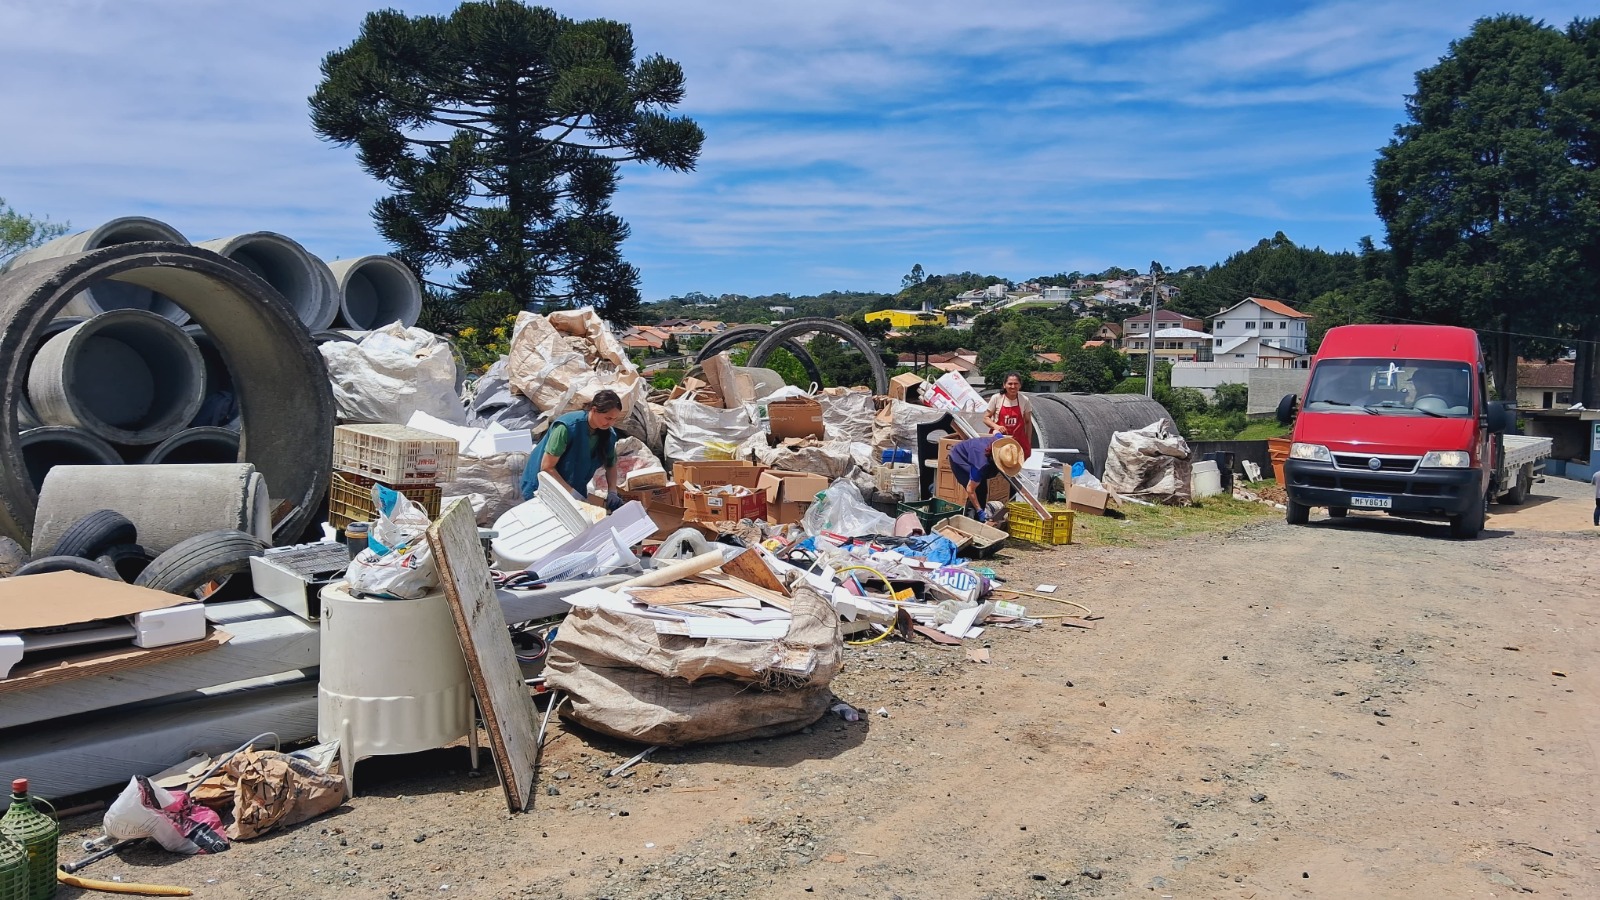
(172, 625)
(10, 652)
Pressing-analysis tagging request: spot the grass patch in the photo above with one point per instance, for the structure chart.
(1144, 525)
(1260, 431)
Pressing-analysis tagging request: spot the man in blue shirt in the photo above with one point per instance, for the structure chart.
(973, 462)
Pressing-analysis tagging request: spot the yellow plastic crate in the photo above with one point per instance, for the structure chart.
(1026, 525)
(350, 499)
(394, 454)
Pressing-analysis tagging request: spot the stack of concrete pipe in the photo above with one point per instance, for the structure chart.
(106, 373)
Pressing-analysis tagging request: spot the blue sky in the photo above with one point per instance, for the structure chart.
(846, 140)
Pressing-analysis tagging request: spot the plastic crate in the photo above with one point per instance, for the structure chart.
(394, 454)
(930, 512)
(350, 499)
(1026, 525)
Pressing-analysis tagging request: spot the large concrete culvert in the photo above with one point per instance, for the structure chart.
(1087, 421)
(303, 280)
(375, 291)
(195, 446)
(283, 387)
(48, 446)
(112, 294)
(128, 376)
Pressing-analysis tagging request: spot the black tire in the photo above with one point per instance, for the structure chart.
(193, 562)
(1518, 494)
(740, 334)
(331, 336)
(1469, 524)
(91, 535)
(48, 564)
(1296, 513)
(1337, 512)
(792, 329)
(128, 560)
(1288, 407)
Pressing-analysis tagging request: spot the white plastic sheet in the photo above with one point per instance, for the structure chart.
(842, 510)
(390, 374)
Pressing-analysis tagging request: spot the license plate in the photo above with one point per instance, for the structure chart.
(1372, 502)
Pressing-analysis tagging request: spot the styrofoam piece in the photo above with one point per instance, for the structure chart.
(393, 677)
(78, 754)
(10, 653)
(173, 625)
(533, 528)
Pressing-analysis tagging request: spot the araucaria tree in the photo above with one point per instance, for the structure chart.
(1490, 192)
(500, 130)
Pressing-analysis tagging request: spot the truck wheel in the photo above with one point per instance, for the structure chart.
(1520, 490)
(1337, 512)
(1296, 513)
(1469, 524)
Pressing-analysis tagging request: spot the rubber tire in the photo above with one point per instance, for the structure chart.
(739, 334)
(128, 560)
(1296, 513)
(1288, 407)
(92, 534)
(12, 557)
(193, 562)
(331, 336)
(792, 329)
(1469, 524)
(47, 564)
(1518, 494)
(1337, 512)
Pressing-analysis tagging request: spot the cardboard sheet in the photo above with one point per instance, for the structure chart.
(71, 598)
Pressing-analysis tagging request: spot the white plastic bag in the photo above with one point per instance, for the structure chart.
(147, 810)
(843, 511)
(397, 562)
(390, 374)
(691, 425)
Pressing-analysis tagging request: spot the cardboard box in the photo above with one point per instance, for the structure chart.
(703, 473)
(1087, 500)
(796, 417)
(790, 494)
(907, 387)
(711, 506)
(702, 505)
(664, 506)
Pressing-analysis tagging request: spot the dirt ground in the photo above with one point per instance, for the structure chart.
(1354, 709)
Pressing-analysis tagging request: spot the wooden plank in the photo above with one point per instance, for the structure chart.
(935, 635)
(748, 566)
(746, 589)
(102, 662)
(676, 594)
(492, 665)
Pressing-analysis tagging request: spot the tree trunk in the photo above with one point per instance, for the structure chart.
(1503, 365)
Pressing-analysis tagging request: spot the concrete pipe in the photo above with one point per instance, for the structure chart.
(283, 386)
(193, 446)
(303, 280)
(375, 291)
(167, 504)
(128, 375)
(221, 404)
(25, 414)
(111, 294)
(49, 446)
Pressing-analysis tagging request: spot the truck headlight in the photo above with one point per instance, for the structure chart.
(1313, 452)
(1446, 459)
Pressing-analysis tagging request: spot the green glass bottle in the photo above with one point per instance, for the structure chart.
(35, 833)
(13, 871)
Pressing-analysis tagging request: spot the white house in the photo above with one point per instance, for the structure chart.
(1256, 332)
(1056, 294)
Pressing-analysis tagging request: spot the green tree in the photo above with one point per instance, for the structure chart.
(1232, 397)
(1488, 190)
(500, 130)
(915, 278)
(20, 231)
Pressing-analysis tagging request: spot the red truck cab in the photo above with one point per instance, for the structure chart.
(1396, 418)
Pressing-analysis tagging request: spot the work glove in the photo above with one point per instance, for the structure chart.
(983, 516)
(613, 501)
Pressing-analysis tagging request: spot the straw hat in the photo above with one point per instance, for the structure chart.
(1007, 455)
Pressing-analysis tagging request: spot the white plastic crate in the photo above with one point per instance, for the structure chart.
(394, 454)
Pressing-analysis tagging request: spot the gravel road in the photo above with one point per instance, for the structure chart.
(1354, 709)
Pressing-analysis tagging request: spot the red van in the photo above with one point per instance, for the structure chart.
(1397, 418)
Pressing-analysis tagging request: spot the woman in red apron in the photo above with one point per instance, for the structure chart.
(1010, 413)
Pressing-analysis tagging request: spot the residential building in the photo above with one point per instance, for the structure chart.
(1047, 382)
(1165, 318)
(907, 318)
(1108, 333)
(1261, 332)
(1056, 294)
(780, 310)
(995, 292)
(1047, 358)
(1171, 344)
(1542, 385)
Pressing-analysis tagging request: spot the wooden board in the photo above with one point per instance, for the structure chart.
(748, 566)
(84, 665)
(676, 594)
(491, 659)
(746, 589)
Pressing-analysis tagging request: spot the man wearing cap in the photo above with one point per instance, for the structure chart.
(973, 462)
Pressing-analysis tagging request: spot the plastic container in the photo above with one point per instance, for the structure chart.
(930, 512)
(355, 537)
(1204, 480)
(1224, 460)
(350, 498)
(395, 454)
(895, 455)
(37, 834)
(1027, 526)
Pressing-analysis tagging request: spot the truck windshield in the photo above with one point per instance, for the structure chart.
(1396, 387)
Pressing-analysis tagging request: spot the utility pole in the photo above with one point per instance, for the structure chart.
(1150, 333)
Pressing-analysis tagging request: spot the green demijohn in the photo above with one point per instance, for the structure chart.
(36, 833)
(13, 871)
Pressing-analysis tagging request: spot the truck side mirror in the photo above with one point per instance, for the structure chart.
(1502, 418)
(1288, 407)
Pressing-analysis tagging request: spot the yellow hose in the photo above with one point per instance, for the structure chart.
(119, 887)
(886, 583)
